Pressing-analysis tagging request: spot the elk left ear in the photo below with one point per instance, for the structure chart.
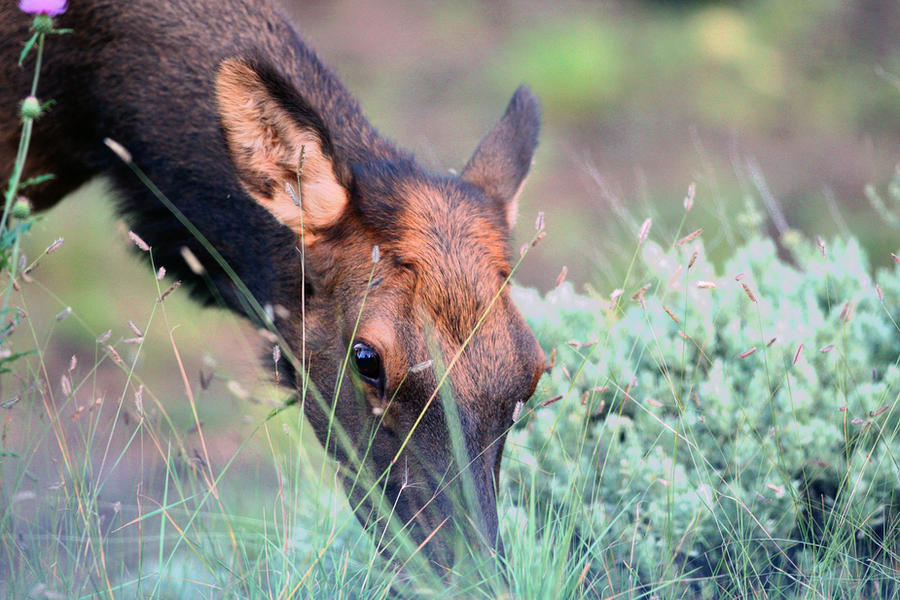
(268, 127)
(502, 159)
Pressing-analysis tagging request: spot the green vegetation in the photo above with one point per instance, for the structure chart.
(727, 441)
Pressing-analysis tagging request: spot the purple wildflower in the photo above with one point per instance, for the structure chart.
(52, 8)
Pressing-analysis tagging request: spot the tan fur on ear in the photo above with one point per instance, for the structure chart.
(266, 142)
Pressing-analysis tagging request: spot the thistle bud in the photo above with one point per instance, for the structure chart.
(31, 108)
(21, 209)
(42, 23)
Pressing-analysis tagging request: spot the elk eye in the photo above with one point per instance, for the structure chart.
(367, 361)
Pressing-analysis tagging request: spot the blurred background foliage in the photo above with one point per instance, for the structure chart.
(640, 99)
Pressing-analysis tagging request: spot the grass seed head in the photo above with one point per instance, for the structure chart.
(169, 290)
(422, 366)
(693, 260)
(119, 150)
(160, 273)
(138, 241)
(821, 244)
(562, 276)
(550, 401)
(539, 221)
(267, 335)
(191, 260)
(104, 336)
(54, 246)
(689, 199)
(614, 297)
(879, 293)
(670, 313)
(875, 413)
(749, 292)
(66, 385)
(114, 355)
(139, 400)
(64, 314)
(798, 353)
(747, 353)
(826, 349)
(135, 329)
(645, 231)
(517, 411)
(689, 237)
(706, 285)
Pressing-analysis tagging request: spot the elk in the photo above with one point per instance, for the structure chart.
(264, 151)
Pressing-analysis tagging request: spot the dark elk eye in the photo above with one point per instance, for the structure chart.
(367, 361)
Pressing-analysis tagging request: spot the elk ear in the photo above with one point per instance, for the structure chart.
(502, 159)
(267, 128)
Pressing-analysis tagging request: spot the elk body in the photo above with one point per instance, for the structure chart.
(216, 102)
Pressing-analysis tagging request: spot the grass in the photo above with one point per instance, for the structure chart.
(108, 493)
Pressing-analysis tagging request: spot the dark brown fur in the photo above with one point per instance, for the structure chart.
(215, 101)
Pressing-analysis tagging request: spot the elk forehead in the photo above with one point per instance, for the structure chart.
(456, 243)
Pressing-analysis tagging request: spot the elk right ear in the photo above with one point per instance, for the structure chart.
(267, 127)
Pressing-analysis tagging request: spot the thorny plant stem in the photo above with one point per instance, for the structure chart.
(18, 167)
(24, 141)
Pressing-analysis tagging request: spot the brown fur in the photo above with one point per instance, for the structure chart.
(215, 102)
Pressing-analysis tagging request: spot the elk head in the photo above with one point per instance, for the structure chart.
(437, 355)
